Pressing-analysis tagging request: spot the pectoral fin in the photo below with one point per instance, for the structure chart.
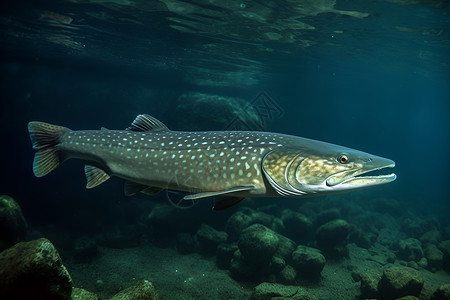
(94, 176)
(220, 193)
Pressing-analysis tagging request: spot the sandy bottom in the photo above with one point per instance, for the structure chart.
(194, 276)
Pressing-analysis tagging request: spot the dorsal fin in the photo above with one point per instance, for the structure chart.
(147, 123)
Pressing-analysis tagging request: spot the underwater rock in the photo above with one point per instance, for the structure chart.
(277, 264)
(326, 216)
(331, 237)
(33, 270)
(416, 227)
(209, 238)
(224, 255)
(442, 293)
(222, 111)
(140, 291)
(431, 237)
(361, 238)
(13, 227)
(409, 249)
(258, 244)
(407, 298)
(269, 291)
(85, 250)
(239, 269)
(308, 261)
(445, 248)
(185, 243)
(244, 218)
(81, 294)
(296, 226)
(287, 275)
(285, 247)
(163, 216)
(434, 256)
(236, 223)
(399, 281)
(387, 236)
(369, 285)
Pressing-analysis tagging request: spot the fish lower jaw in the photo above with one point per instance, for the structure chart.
(369, 180)
(361, 180)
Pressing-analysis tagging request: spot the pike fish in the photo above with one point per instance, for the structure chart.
(226, 165)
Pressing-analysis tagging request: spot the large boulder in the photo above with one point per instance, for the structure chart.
(13, 227)
(258, 244)
(209, 238)
(143, 290)
(399, 281)
(308, 261)
(33, 270)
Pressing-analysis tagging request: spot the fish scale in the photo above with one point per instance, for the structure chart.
(228, 165)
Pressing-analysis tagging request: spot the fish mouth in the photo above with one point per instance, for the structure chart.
(360, 178)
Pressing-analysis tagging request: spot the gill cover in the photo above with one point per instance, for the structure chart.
(279, 167)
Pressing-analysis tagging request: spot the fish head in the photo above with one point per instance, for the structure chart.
(323, 170)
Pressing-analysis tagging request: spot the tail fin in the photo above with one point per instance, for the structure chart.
(44, 138)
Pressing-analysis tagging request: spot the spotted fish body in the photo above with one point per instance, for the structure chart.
(229, 164)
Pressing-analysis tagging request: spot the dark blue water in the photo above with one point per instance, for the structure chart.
(379, 84)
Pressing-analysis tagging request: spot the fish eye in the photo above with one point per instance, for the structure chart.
(343, 159)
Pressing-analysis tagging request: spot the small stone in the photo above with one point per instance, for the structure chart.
(399, 281)
(287, 275)
(33, 270)
(143, 290)
(13, 227)
(258, 244)
(308, 261)
(209, 238)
